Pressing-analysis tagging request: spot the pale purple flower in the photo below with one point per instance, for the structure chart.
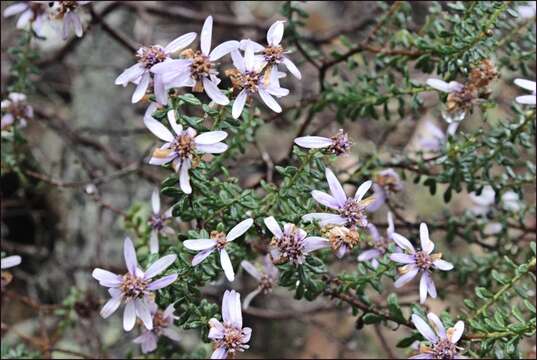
(184, 148)
(267, 278)
(66, 10)
(380, 243)
(148, 57)
(442, 343)
(162, 326)
(10, 261)
(31, 12)
(338, 144)
(528, 85)
(198, 69)
(218, 241)
(484, 201)
(418, 262)
(229, 336)
(158, 222)
(292, 244)
(273, 54)
(385, 183)
(15, 108)
(349, 211)
(251, 81)
(134, 288)
(432, 138)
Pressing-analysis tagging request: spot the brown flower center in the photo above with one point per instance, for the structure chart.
(340, 143)
(273, 54)
(291, 246)
(444, 349)
(184, 146)
(249, 81)
(340, 235)
(232, 339)
(132, 286)
(354, 212)
(150, 55)
(220, 238)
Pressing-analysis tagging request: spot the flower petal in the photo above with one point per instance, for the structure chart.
(129, 316)
(143, 313)
(110, 307)
(239, 229)
(105, 277)
(206, 35)
(424, 328)
(180, 43)
(273, 226)
(403, 258)
(232, 300)
(423, 288)
(141, 88)
(404, 279)
(158, 129)
(325, 219)
(184, 177)
(275, 33)
(403, 243)
(438, 84)
(155, 201)
(458, 330)
(15, 9)
(426, 243)
(199, 244)
(313, 142)
(238, 60)
(526, 84)
(171, 66)
(202, 255)
(217, 148)
(11, 261)
(313, 243)
(251, 269)
(159, 266)
(526, 99)
(335, 187)
(369, 254)
(442, 265)
(172, 333)
(223, 49)
(153, 242)
(438, 327)
(225, 262)
(362, 190)
(212, 90)
(249, 57)
(130, 255)
(248, 299)
(292, 67)
(238, 104)
(269, 100)
(219, 353)
(162, 282)
(324, 199)
(130, 74)
(210, 137)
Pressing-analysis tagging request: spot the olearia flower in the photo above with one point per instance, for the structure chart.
(6, 263)
(349, 211)
(273, 54)
(135, 288)
(433, 138)
(15, 108)
(250, 81)
(442, 342)
(292, 244)
(148, 57)
(66, 10)
(484, 201)
(528, 85)
(380, 243)
(162, 326)
(385, 183)
(218, 241)
(338, 144)
(31, 12)
(197, 69)
(184, 148)
(228, 336)
(342, 239)
(267, 278)
(421, 261)
(157, 222)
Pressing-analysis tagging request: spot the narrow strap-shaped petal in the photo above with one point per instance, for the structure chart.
(158, 129)
(130, 255)
(269, 100)
(155, 201)
(324, 199)
(206, 35)
(184, 177)
(248, 299)
(202, 255)
(275, 33)
(160, 265)
(369, 254)
(212, 90)
(404, 279)
(223, 49)
(10, 261)
(426, 243)
(251, 269)
(217, 148)
(153, 242)
(313, 243)
(455, 333)
(210, 137)
(15, 9)
(105, 277)
(438, 84)
(313, 142)
(110, 307)
(335, 187)
(162, 282)
(438, 327)
(325, 218)
(442, 265)
(180, 43)
(141, 88)
(273, 226)
(142, 310)
(130, 74)
(403, 243)
(238, 60)
(292, 67)
(219, 353)
(423, 288)
(177, 128)
(225, 262)
(129, 316)
(249, 57)
(199, 244)
(526, 99)
(238, 104)
(403, 258)
(239, 229)
(526, 84)
(362, 190)
(424, 328)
